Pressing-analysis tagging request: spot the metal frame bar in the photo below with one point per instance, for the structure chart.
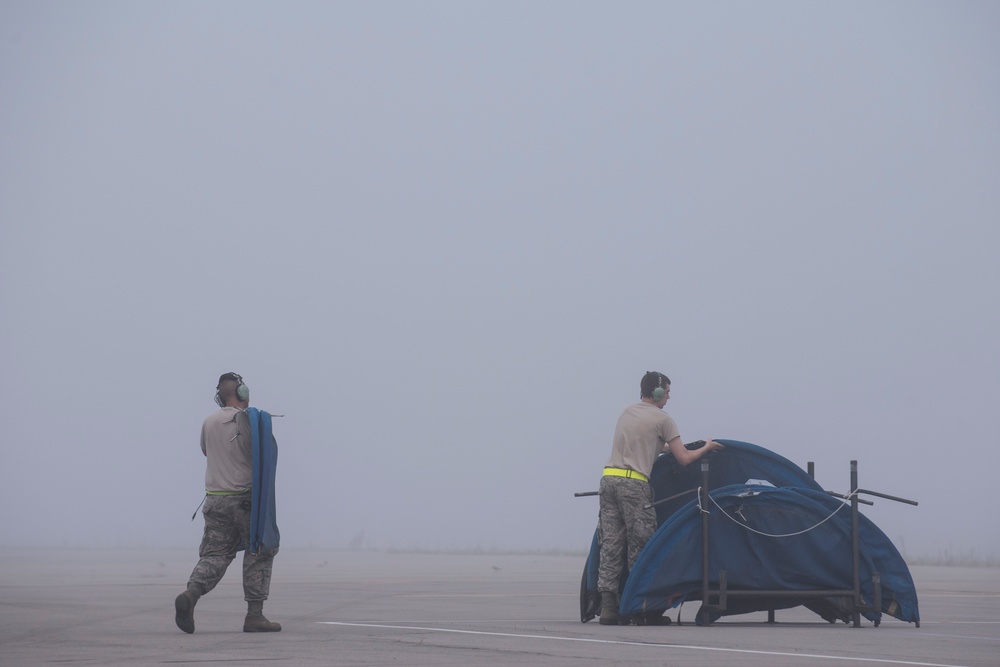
(723, 592)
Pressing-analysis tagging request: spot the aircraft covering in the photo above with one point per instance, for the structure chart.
(761, 491)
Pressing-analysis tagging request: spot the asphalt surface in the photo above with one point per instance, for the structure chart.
(115, 607)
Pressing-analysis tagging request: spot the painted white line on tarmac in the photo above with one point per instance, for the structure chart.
(959, 595)
(922, 623)
(647, 644)
(931, 635)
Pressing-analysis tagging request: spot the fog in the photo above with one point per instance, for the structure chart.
(444, 240)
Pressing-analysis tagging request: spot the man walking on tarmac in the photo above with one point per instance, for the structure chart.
(227, 444)
(643, 432)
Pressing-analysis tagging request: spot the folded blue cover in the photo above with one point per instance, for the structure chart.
(264, 536)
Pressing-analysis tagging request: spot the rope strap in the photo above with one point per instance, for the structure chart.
(752, 530)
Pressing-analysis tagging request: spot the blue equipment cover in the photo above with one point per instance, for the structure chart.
(669, 568)
(735, 464)
(812, 551)
(264, 536)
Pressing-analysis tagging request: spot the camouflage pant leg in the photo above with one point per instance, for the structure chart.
(257, 574)
(624, 527)
(227, 531)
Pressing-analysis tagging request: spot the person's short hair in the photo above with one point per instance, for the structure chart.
(227, 387)
(650, 381)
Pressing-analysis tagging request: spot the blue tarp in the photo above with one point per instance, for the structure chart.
(735, 464)
(811, 554)
(264, 536)
(669, 568)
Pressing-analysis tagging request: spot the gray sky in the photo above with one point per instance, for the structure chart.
(446, 239)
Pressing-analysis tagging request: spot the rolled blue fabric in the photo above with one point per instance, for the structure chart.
(264, 535)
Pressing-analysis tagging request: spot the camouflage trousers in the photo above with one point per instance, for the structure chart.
(624, 527)
(227, 531)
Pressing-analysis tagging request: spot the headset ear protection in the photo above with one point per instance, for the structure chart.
(658, 391)
(242, 390)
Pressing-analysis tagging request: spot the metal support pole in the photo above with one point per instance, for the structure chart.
(877, 594)
(703, 497)
(667, 500)
(855, 555)
(888, 497)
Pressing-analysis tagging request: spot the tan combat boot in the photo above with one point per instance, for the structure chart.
(255, 620)
(609, 608)
(184, 608)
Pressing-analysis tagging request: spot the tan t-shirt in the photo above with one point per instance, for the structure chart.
(642, 431)
(226, 442)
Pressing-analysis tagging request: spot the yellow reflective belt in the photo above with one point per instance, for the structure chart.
(624, 472)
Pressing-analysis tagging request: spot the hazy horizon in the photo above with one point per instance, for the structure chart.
(446, 239)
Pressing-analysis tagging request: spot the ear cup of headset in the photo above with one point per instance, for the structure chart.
(658, 392)
(242, 390)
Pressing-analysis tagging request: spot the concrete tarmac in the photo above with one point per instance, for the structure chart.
(115, 607)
